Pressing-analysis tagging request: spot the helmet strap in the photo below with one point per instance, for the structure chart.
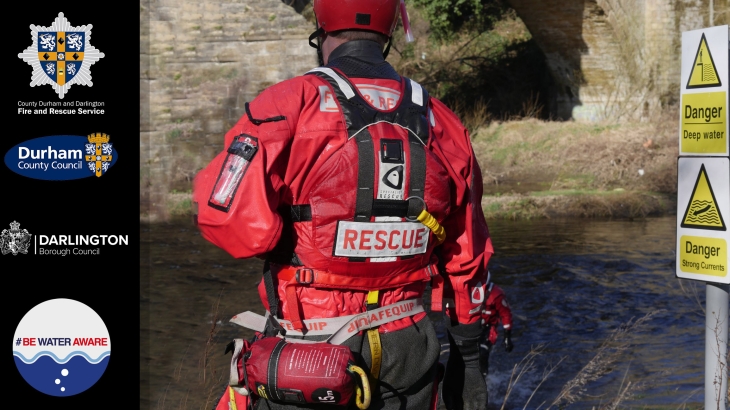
(318, 35)
(387, 48)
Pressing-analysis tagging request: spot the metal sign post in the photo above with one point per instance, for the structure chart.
(703, 192)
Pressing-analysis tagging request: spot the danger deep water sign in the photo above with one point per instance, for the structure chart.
(704, 94)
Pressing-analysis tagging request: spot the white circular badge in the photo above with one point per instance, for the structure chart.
(61, 347)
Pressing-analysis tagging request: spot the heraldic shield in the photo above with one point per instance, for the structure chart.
(61, 55)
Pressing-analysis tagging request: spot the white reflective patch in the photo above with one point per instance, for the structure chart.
(327, 101)
(386, 219)
(382, 98)
(416, 93)
(380, 239)
(430, 117)
(477, 294)
(344, 87)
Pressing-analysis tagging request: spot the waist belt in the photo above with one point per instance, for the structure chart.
(339, 328)
(296, 276)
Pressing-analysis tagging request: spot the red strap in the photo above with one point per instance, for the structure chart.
(292, 305)
(437, 293)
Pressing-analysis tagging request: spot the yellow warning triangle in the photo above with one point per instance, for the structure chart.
(704, 72)
(702, 210)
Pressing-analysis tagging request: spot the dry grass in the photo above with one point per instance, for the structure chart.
(607, 357)
(536, 169)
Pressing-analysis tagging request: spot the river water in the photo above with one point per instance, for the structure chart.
(571, 284)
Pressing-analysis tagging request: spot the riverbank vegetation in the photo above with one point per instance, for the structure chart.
(480, 59)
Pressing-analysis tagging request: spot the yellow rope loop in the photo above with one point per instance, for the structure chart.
(432, 224)
(363, 395)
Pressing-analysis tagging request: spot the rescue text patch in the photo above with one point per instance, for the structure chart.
(380, 239)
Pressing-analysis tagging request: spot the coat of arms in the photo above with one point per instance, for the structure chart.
(61, 55)
(14, 240)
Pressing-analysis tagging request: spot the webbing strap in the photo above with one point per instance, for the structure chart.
(417, 182)
(365, 176)
(273, 368)
(270, 289)
(339, 328)
(376, 350)
(365, 180)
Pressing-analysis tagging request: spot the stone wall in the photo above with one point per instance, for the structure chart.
(201, 61)
(615, 59)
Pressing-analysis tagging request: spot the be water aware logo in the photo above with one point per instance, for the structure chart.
(62, 157)
(61, 347)
(61, 55)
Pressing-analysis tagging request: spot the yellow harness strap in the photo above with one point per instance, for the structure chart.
(376, 351)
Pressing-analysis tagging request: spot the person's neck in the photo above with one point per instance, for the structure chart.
(366, 50)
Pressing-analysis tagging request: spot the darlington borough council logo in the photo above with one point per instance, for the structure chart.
(14, 240)
(61, 347)
(61, 55)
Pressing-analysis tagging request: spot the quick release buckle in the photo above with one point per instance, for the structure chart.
(305, 276)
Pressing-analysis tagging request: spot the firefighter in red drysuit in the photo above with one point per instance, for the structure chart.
(331, 178)
(496, 310)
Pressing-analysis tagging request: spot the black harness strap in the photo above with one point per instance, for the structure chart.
(365, 176)
(417, 183)
(358, 115)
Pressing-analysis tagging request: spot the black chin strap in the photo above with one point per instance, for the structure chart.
(317, 34)
(387, 48)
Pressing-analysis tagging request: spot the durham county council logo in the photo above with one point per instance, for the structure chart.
(62, 157)
(61, 347)
(61, 55)
(14, 240)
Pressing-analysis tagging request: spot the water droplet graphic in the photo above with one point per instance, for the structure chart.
(63, 389)
(64, 372)
(58, 381)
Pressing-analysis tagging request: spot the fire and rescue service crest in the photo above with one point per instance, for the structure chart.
(14, 240)
(61, 55)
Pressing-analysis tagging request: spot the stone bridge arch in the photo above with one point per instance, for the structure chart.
(614, 59)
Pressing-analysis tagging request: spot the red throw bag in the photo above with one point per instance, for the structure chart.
(297, 372)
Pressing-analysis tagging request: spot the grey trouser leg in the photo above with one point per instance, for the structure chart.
(407, 373)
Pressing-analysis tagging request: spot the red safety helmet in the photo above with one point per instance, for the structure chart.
(372, 15)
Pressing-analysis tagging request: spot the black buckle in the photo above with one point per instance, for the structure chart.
(305, 276)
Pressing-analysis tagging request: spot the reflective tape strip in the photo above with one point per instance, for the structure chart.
(416, 93)
(340, 328)
(346, 89)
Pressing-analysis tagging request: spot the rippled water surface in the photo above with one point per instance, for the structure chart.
(571, 283)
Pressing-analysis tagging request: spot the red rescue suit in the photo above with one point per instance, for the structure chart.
(292, 150)
(496, 310)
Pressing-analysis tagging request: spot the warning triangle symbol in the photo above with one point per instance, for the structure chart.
(702, 210)
(704, 72)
